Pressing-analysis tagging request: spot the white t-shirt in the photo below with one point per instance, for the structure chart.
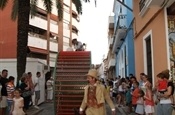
(36, 81)
(79, 46)
(49, 84)
(165, 101)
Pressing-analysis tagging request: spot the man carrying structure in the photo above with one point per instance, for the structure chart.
(95, 96)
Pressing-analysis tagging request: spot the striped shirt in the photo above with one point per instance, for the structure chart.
(10, 89)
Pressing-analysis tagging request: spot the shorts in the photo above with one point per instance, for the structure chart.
(149, 109)
(3, 103)
(37, 95)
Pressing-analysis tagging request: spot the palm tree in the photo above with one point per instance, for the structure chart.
(21, 10)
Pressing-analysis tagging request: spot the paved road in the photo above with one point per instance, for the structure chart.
(48, 109)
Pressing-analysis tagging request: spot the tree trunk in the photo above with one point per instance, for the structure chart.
(22, 36)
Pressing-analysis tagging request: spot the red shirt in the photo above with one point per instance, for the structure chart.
(135, 96)
(162, 85)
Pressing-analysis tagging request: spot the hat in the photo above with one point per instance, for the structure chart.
(93, 73)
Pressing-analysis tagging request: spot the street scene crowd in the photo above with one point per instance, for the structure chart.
(141, 97)
(16, 100)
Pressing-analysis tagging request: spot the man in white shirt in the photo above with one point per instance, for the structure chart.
(77, 45)
(37, 89)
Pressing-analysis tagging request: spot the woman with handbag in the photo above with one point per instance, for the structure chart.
(26, 92)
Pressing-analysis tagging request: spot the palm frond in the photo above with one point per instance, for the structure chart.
(59, 5)
(78, 6)
(48, 5)
(3, 4)
(14, 13)
(87, 0)
(33, 7)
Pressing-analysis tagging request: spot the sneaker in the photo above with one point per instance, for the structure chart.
(36, 107)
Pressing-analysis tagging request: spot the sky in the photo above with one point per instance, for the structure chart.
(94, 28)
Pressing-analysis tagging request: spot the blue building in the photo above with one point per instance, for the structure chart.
(123, 43)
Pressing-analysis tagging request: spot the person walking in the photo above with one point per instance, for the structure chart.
(95, 96)
(4, 82)
(37, 89)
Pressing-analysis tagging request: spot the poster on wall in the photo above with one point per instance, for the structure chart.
(171, 35)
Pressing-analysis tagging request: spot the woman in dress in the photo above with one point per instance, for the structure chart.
(18, 103)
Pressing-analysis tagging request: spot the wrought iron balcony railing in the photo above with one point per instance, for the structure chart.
(142, 4)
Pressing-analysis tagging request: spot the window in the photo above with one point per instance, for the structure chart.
(149, 57)
(141, 4)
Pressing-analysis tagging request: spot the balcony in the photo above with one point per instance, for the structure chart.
(66, 33)
(111, 63)
(74, 35)
(54, 27)
(110, 42)
(75, 23)
(159, 3)
(36, 40)
(111, 22)
(74, 8)
(67, 2)
(119, 39)
(144, 5)
(66, 16)
(38, 22)
(53, 46)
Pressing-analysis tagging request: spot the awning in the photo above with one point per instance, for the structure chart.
(38, 50)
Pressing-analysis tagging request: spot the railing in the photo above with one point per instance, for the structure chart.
(54, 76)
(32, 34)
(142, 4)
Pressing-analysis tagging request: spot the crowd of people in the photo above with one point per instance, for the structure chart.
(141, 97)
(16, 100)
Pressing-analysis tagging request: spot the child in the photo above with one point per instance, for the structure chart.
(128, 98)
(18, 103)
(149, 102)
(10, 90)
(140, 103)
(135, 95)
(162, 83)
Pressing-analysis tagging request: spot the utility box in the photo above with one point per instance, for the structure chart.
(33, 65)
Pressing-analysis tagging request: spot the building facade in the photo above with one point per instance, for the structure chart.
(123, 42)
(47, 35)
(154, 28)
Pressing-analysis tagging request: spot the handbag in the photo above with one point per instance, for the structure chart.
(27, 93)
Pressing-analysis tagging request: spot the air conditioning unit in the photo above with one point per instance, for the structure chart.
(46, 68)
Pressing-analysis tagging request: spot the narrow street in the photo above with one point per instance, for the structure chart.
(48, 109)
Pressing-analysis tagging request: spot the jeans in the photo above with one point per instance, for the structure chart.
(164, 109)
(9, 107)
